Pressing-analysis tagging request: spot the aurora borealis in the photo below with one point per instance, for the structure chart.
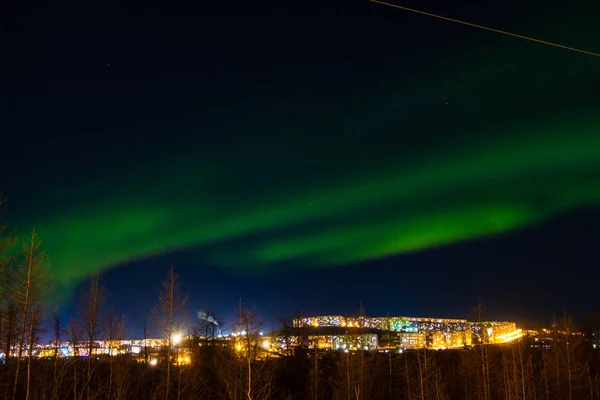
(469, 193)
(353, 147)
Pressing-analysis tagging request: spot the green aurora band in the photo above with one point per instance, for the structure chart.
(310, 199)
(469, 194)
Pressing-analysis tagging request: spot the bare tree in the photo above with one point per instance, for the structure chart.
(572, 361)
(122, 381)
(145, 342)
(55, 375)
(287, 333)
(29, 285)
(9, 328)
(8, 323)
(60, 366)
(113, 334)
(482, 342)
(355, 375)
(518, 374)
(315, 376)
(74, 335)
(165, 314)
(246, 371)
(430, 383)
(91, 326)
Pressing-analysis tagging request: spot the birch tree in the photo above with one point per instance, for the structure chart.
(29, 285)
(90, 325)
(165, 314)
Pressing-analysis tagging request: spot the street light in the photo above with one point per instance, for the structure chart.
(176, 338)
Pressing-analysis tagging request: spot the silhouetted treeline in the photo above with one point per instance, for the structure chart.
(568, 370)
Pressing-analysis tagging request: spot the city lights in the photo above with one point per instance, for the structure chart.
(410, 332)
(183, 360)
(176, 338)
(322, 333)
(510, 336)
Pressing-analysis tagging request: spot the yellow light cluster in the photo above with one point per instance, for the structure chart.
(509, 337)
(184, 360)
(46, 353)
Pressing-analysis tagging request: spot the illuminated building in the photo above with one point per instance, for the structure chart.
(338, 332)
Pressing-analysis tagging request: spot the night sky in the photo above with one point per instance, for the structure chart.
(306, 156)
